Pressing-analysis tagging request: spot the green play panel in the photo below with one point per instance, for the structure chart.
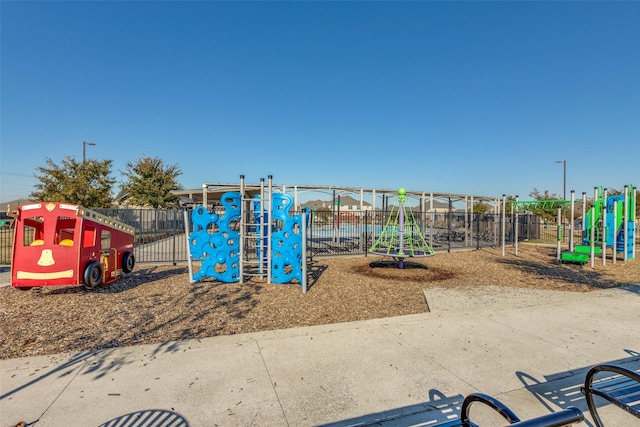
(581, 258)
(583, 249)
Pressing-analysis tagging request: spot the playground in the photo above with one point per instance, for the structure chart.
(157, 303)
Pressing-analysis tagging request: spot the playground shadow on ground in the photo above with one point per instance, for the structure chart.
(315, 269)
(130, 281)
(568, 273)
(560, 390)
(384, 263)
(98, 364)
(438, 409)
(142, 276)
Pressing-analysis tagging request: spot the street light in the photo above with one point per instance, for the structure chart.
(84, 149)
(564, 163)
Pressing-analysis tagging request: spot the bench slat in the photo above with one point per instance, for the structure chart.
(622, 389)
(626, 392)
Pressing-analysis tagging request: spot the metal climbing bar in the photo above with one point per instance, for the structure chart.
(540, 204)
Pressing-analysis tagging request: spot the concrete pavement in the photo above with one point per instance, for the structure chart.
(528, 348)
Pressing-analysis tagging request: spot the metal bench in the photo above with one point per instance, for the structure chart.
(617, 385)
(565, 417)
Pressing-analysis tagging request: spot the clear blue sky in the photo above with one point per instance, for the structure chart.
(463, 97)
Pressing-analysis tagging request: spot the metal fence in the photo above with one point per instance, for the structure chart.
(160, 233)
(352, 232)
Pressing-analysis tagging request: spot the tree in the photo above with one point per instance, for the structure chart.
(87, 183)
(537, 195)
(481, 207)
(150, 183)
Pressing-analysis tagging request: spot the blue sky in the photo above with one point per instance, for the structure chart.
(463, 97)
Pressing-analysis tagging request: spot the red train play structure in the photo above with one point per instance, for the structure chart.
(64, 244)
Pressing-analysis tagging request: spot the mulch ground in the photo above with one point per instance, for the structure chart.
(157, 303)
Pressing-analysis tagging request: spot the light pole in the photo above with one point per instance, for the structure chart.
(564, 163)
(84, 149)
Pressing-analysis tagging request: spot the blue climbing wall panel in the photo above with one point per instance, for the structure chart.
(217, 246)
(214, 243)
(286, 241)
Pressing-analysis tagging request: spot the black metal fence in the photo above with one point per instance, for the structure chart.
(351, 232)
(160, 233)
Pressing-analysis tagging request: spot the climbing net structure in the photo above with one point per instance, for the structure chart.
(401, 237)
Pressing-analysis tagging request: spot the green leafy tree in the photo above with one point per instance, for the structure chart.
(87, 183)
(544, 195)
(481, 207)
(150, 183)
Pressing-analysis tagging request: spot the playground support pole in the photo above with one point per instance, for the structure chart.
(471, 217)
(625, 221)
(515, 225)
(559, 235)
(496, 213)
(571, 222)
(186, 232)
(584, 216)
(262, 225)
(401, 233)
(204, 195)
(241, 237)
(583, 233)
(449, 221)
(604, 227)
(269, 225)
(333, 217)
(592, 237)
(373, 216)
(303, 231)
(615, 219)
(504, 220)
(632, 219)
(423, 215)
(466, 220)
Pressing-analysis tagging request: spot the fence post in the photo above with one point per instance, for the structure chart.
(140, 234)
(503, 222)
(366, 233)
(515, 225)
(449, 221)
(477, 231)
(559, 235)
(173, 232)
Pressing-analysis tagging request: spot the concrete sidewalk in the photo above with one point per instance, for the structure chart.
(5, 275)
(528, 348)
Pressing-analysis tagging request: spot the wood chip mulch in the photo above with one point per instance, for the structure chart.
(157, 303)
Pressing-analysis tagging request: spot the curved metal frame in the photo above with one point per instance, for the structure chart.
(491, 402)
(589, 391)
(565, 417)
